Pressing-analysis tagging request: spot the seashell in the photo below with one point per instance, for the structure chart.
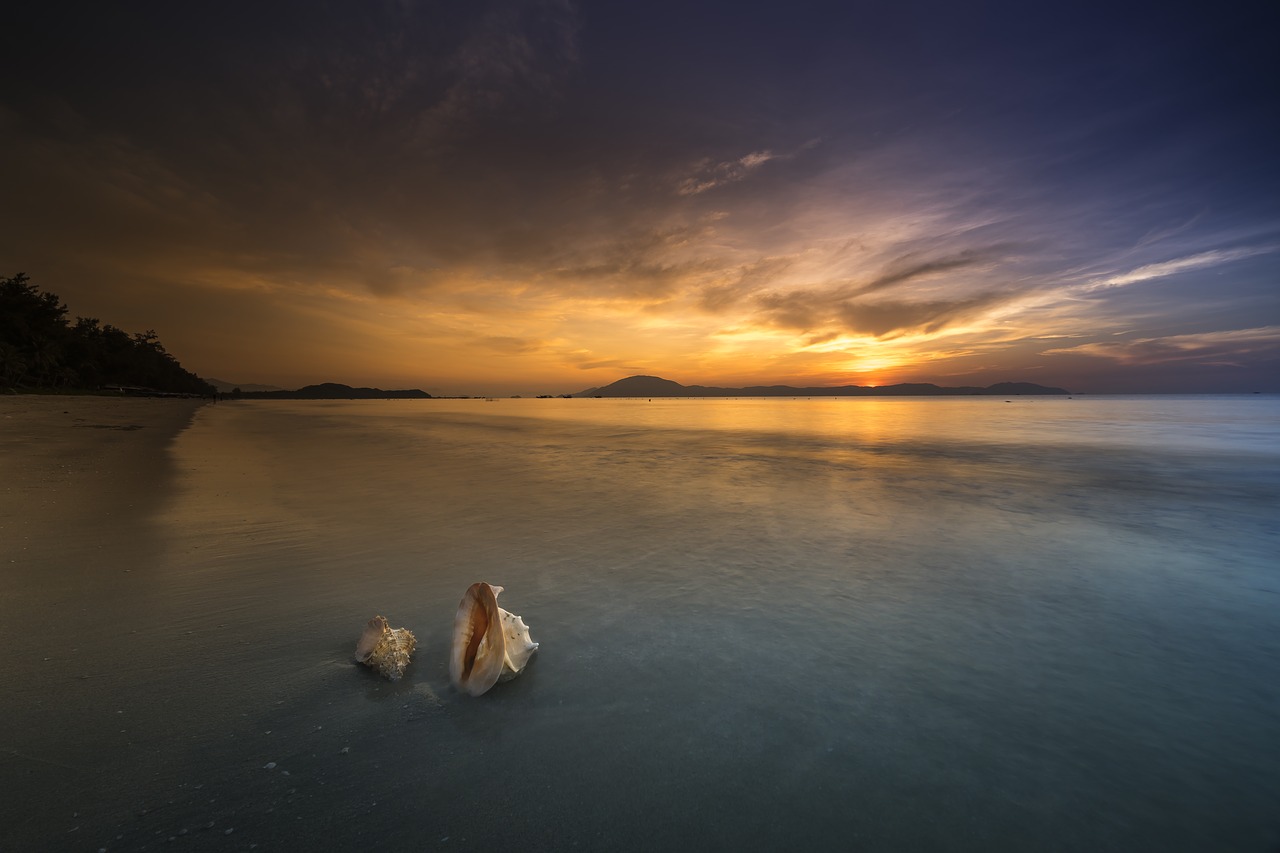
(384, 648)
(489, 644)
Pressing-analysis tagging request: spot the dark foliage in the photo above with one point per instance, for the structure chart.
(39, 349)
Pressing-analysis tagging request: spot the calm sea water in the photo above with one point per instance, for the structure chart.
(899, 624)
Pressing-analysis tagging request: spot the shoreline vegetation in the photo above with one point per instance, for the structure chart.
(40, 351)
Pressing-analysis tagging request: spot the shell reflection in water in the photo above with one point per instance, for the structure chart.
(385, 649)
(489, 644)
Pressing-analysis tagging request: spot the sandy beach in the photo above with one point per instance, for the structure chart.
(48, 442)
(78, 475)
(79, 478)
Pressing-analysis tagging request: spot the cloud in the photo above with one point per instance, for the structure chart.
(514, 49)
(907, 268)
(511, 345)
(824, 338)
(1234, 347)
(516, 177)
(708, 175)
(744, 279)
(841, 299)
(645, 264)
(885, 319)
(820, 311)
(1202, 260)
(615, 363)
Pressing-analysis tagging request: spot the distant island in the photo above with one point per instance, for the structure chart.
(653, 386)
(331, 391)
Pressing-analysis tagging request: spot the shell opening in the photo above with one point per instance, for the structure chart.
(478, 624)
(489, 644)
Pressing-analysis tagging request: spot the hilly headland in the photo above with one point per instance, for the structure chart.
(332, 391)
(654, 386)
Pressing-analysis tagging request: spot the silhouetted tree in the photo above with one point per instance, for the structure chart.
(39, 350)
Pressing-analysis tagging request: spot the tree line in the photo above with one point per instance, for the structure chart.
(40, 349)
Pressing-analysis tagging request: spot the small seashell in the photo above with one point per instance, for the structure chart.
(384, 648)
(489, 644)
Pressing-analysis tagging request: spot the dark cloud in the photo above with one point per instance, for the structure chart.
(828, 315)
(883, 319)
(1228, 348)
(309, 131)
(910, 267)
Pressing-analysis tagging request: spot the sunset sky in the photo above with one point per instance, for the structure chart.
(540, 197)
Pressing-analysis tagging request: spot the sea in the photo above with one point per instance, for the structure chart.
(871, 624)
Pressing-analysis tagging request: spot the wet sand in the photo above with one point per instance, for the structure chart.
(79, 475)
(79, 479)
(176, 676)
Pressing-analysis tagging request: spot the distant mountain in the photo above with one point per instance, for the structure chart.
(653, 386)
(225, 387)
(335, 391)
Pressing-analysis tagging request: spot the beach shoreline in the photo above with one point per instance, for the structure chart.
(70, 462)
(73, 465)
(80, 480)
(38, 429)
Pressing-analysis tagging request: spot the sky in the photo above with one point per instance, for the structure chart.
(493, 197)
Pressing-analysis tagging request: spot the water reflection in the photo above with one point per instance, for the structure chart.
(944, 624)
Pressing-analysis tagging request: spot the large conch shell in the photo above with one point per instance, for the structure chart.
(489, 644)
(384, 648)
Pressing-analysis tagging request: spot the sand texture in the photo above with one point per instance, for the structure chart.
(79, 479)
